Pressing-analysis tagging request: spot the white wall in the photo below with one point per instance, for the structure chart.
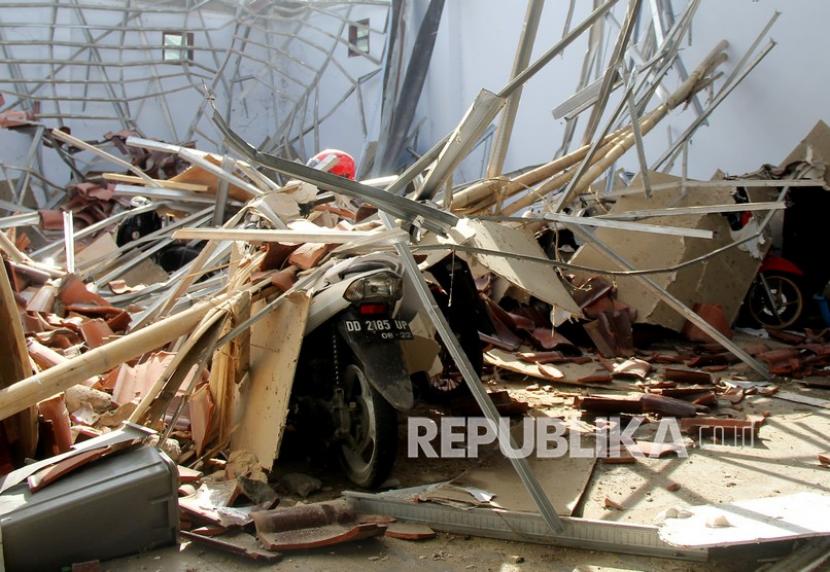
(347, 127)
(259, 103)
(779, 102)
(759, 123)
(169, 117)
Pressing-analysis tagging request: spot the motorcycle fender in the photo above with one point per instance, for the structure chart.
(384, 367)
(778, 264)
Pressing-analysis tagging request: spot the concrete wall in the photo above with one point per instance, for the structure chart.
(775, 107)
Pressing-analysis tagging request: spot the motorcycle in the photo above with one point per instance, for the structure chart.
(776, 298)
(352, 380)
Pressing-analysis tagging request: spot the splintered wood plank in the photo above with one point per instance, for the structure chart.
(275, 348)
(14, 366)
(495, 484)
(196, 175)
(224, 371)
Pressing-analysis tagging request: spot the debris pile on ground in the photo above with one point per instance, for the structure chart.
(216, 310)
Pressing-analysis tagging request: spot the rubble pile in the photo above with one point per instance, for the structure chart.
(190, 313)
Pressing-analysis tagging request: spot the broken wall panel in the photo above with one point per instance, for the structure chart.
(723, 279)
(263, 401)
(537, 279)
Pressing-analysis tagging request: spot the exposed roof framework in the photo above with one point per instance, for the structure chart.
(110, 64)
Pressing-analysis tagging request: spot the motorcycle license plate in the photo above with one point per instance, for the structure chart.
(379, 328)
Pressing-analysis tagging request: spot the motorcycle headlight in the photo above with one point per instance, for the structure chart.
(382, 286)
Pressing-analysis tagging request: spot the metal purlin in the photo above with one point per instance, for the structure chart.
(102, 56)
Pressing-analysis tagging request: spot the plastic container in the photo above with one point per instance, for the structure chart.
(119, 505)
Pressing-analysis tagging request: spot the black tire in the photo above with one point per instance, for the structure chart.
(786, 306)
(369, 450)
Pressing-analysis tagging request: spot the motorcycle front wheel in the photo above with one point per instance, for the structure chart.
(370, 447)
(776, 300)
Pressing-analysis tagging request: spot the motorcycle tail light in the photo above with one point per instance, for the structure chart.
(382, 286)
(372, 309)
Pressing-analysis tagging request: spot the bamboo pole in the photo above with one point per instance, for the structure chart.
(29, 391)
(556, 180)
(492, 188)
(613, 149)
(696, 81)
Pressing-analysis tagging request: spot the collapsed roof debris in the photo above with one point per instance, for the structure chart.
(186, 314)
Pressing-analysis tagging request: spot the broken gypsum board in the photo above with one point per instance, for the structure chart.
(304, 284)
(472, 379)
(434, 219)
(197, 218)
(93, 228)
(128, 252)
(526, 527)
(672, 301)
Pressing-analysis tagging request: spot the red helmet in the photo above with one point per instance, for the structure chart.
(335, 162)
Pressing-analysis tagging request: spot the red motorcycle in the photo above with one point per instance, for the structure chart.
(776, 297)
